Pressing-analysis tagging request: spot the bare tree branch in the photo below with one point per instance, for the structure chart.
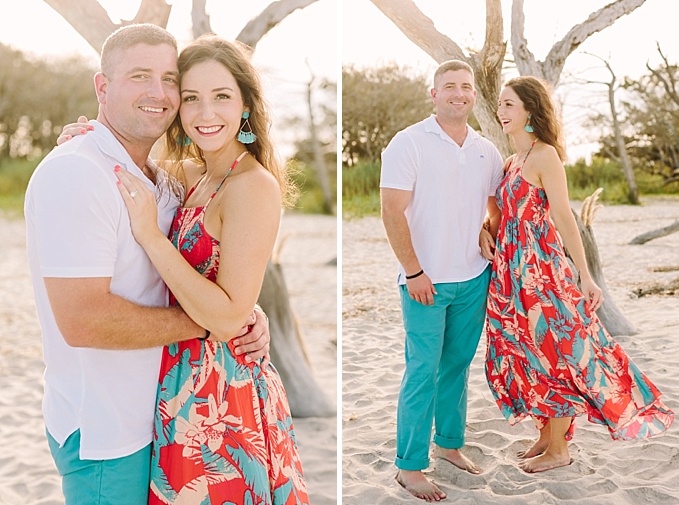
(525, 59)
(421, 30)
(597, 21)
(268, 19)
(91, 20)
(551, 68)
(200, 20)
(671, 86)
(156, 12)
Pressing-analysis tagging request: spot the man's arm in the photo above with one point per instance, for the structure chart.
(89, 315)
(394, 204)
(488, 233)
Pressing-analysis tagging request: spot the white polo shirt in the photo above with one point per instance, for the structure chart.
(450, 188)
(77, 227)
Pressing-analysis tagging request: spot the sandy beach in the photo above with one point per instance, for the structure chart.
(27, 473)
(603, 472)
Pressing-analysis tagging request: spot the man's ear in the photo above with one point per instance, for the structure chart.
(100, 86)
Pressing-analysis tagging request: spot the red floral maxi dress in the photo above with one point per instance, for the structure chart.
(223, 432)
(548, 354)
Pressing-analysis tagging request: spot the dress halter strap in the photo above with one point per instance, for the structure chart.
(526, 157)
(233, 165)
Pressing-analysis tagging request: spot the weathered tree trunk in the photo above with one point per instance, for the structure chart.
(92, 22)
(319, 160)
(287, 350)
(633, 194)
(200, 21)
(650, 235)
(610, 315)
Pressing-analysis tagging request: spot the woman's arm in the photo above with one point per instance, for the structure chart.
(250, 208)
(553, 179)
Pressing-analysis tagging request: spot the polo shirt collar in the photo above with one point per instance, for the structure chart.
(432, 126)
(111, 147)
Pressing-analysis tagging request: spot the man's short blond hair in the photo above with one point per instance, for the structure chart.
(128, 36)
(452, 65)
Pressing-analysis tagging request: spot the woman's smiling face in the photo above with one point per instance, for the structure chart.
(211, 105)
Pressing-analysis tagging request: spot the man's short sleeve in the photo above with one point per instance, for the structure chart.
(75, 214)
(399, 163)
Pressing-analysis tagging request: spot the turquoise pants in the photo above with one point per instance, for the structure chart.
(440, 343)
(120, 481)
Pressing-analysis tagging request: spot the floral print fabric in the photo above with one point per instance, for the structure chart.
(548, 354)
(223, 430)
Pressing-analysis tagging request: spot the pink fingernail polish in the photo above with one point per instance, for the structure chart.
(83, 130)
(116, 168)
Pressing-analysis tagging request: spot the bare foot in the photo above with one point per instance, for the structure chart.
(536, 449)
(456, 458)
(419, 486)
(547, 461)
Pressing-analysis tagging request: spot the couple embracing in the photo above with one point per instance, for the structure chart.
(449, 206)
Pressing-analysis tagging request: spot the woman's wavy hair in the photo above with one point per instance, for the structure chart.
(235, 57)
(537, 100)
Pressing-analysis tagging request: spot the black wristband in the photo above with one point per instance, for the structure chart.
(414, 275)
(207, 335)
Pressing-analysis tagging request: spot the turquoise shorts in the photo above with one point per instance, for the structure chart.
(120, 481)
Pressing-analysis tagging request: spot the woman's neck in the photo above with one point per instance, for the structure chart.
(218, 163)
(523, 141)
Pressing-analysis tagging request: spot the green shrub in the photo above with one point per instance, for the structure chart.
(311, 199)
(14, 176)
(361, 189)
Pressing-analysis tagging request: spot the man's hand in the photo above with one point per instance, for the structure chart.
(421, 289)
(254, 338)
(487, 244)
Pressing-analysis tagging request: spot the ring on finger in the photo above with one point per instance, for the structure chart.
(133, 193)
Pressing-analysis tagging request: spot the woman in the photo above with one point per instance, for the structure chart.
(548, 355)
(223, 431)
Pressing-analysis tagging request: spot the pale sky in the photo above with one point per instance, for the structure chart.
(369, 38)
(309, 34)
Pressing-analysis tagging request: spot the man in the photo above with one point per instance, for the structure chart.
(437, 184)
(101, 304)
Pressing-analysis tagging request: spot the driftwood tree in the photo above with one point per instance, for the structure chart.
(487, 62)
(622, 157)
(669, 82)
(319, 161)
(487, 65)
(91, 20)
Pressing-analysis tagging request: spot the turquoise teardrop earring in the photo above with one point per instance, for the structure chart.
(528, 126)
(246, 137)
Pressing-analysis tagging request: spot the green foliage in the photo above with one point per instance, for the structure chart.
(305, 161)
(650, 115)
(14, 177)
(37, 98)
(305, 178)
(584, 179)
(376, 104)
(361, 189)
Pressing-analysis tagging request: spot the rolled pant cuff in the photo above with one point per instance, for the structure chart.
(449, 443)
(411, 464)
